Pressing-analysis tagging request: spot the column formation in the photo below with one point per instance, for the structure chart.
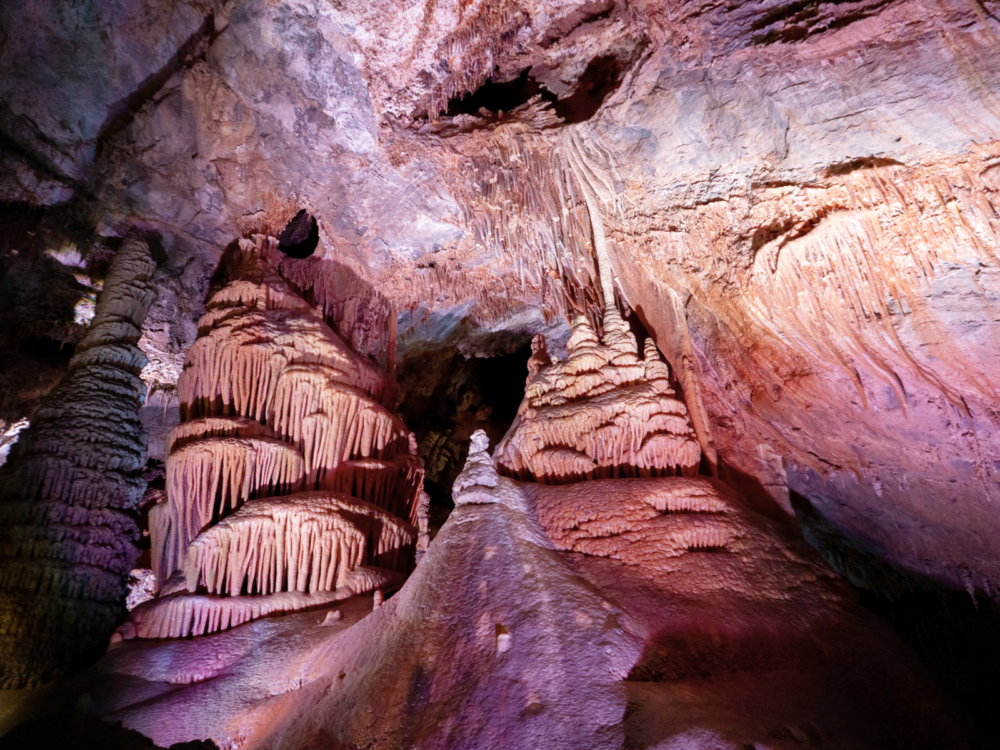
(69, 491)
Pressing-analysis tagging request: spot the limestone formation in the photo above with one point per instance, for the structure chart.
(69, 491)
(577, 616)
(563, 616)
(289, 474)
(181, 615)
(798, 202)
(604, 412)
(304, 542)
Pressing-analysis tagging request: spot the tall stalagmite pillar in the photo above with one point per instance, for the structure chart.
(67, 492)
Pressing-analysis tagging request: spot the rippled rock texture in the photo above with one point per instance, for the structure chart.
(70, 489)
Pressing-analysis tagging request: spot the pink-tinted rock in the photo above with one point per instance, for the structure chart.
(607, 614)
(283, 422)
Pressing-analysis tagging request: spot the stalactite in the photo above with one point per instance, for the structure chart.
(211, 478)
(306, 542)
(392, 485)
(289, 473)
(252, 329)
(522, 207)
(199, 429)
(360, 315)
(602, 413)
(67, 491)
(331, 422)
(184, 615)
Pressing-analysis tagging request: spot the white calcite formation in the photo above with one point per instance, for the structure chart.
(602, 413)
(67, 536)
(179, 615)
(289, 473)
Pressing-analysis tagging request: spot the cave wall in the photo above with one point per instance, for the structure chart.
(815, 182)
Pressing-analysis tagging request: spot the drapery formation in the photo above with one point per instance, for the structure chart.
(289, 479)
(67, 536)
(602, 413)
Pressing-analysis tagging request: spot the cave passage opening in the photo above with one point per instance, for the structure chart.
(601, 79)
(445, 397)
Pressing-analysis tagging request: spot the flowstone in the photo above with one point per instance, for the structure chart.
(287, 477)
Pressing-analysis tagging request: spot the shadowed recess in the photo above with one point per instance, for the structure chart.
(601, 78)
(300, 236)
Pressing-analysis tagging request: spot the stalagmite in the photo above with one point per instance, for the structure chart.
(67, 491)
(288, 475)
(602, 413)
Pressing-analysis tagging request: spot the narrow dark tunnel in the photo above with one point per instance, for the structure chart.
(445, 398)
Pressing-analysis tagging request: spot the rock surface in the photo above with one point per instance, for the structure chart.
(816, 185)
(798, 203)
(576, 616)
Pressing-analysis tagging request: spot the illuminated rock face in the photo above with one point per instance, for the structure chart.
(803, 214)
(604, 412)
(67, 536)
(816, 191)
(597, 613)
(288, 477)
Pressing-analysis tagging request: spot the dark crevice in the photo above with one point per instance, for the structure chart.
(601, 78)
(791, 11)
(496, 97)
(762, 235)
(794, 21)
(84, 733)
(956, 637)
(598, 82)
(19, 226)
(300, 237)
(445, 397)
(864, 162)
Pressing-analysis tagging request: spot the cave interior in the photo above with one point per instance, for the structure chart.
(500, 373)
